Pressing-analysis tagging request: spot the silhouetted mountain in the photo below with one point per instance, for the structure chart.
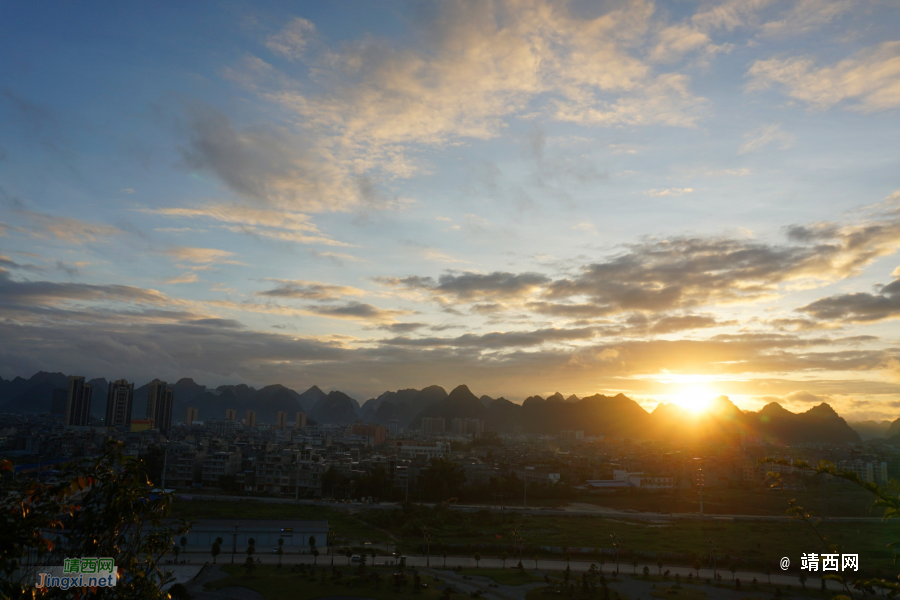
(311, 397)
(776, 424)
(893, 430)
(459, 404)
(401, 401)
(335, 408)
(869, 430)
(617, 416)
(33, 394)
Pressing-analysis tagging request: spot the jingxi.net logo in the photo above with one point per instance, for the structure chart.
(80, 572)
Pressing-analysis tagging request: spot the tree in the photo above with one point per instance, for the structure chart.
(567, 559)
(349, 554)
(536, 558)
(179, 592)
(216, 549)
(312, 543)
(733, 568)
(229, 484)
(315, 553)
(104, 507)
(251, 547)
(697, 565)
(634, 565)
(280, 550)
(503, 557)
(176, 551)
(249, 565)
(442, 479)
(477, 558)
(646, 571)
(183, 541)
(659, 565)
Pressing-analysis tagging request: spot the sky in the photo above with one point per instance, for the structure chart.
(671, 200)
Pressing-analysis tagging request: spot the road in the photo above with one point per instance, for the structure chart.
(326, 560)
(578, 508)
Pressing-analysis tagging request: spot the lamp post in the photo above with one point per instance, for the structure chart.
(699, 463)
(234, 544)
(615, 539)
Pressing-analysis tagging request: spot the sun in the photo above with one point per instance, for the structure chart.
(695, 398)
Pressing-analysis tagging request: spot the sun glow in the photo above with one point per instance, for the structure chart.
(695, 398)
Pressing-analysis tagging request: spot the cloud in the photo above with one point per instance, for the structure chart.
(127, 191)
(402, 327)
(271, 165)
(291, 42)
(356, 311)
(669, 192)
(868, 82)
(472, 287)
(806, 16)
(184, 278)
(310, 290)
(765, 135)
(499, 339)
(67, 229)
(472, 66)
(274, 224)
(859, 307)
(202, 256)
(47, 293)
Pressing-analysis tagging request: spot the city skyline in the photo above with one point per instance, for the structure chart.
(672, 201)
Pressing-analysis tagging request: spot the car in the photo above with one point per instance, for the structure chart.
(355, 559)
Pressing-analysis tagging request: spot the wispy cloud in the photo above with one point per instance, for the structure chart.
(761, 137)
(869, 81)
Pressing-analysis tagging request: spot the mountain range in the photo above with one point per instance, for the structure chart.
(597, 415)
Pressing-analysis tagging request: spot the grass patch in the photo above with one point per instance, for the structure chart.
(754, 542)
(503, 576)
(288, 584)
(681, 593)
(549, 592)
(346, 525)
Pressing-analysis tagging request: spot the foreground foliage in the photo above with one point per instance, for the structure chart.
(97, 508)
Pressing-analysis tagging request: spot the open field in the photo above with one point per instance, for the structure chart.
(503, 576)
(754, 543)
(828, 499)
(346, 525)
(290, 584)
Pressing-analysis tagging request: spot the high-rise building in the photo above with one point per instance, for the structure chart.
(251, 418)
(433, 425)
(78, 401)
(300, 420)
(280, 420)
(377, 434)
(192, 415)
(118, 404)
(230, 414)
(159, 405)
(466, 426)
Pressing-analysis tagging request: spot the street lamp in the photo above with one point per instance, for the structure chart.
(699, 463)
(234, 544)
